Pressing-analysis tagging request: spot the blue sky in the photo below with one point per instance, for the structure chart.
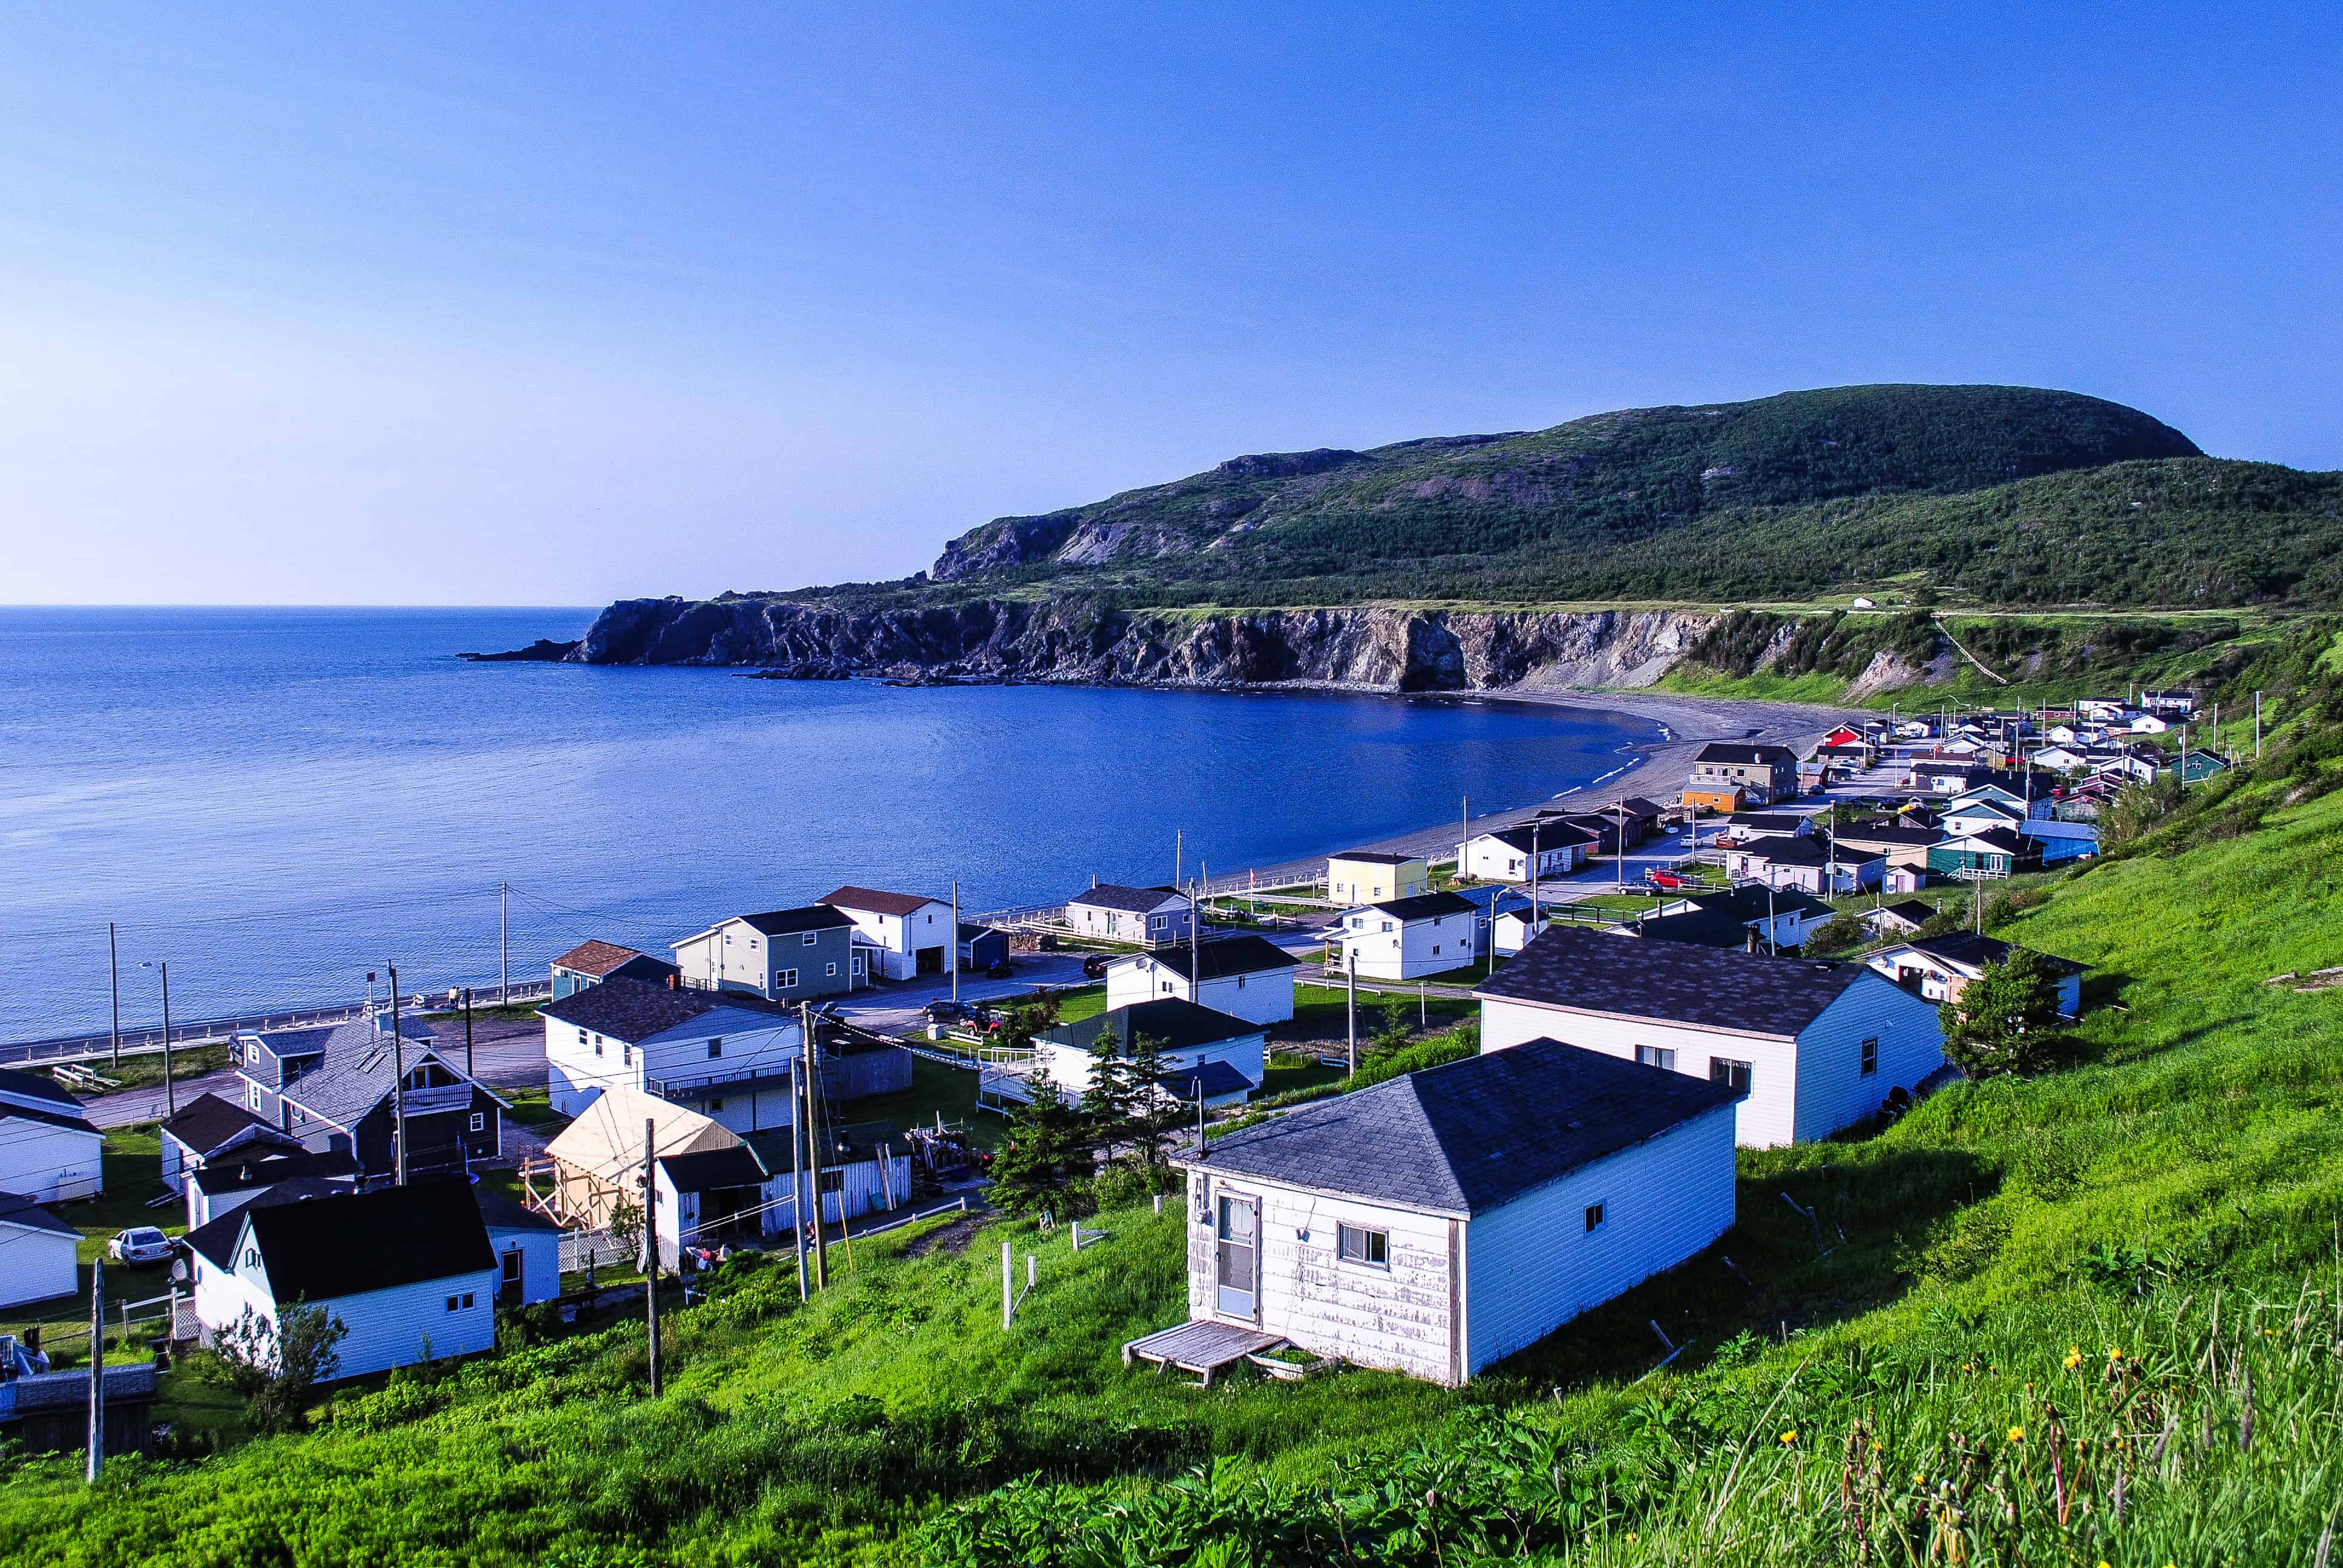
(554, 304)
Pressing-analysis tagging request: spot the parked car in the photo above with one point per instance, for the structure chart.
(944, 1012)
(1664, 880)
(1094, 967)
(140, 1244)
(1000, 970)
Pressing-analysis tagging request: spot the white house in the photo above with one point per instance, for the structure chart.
(1808, 864)
(592, 961)
(1751, 917)
(1442, 1221)
(727, 1055)
(865, 1168)
(2149, 724)
(49, 1153)
(1406, 938)
(1814, 1047)
(211, 1126)
(1246, 977)
(1186, 1038)
(407, 1270)
(36, 1252)
(1504, 855)
(1942, 966)
(2061, 759)
(220, 1185)
(1108, 913)
(909, 935)
(528, 1248)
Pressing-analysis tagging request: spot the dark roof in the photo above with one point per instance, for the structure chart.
(1643, 806)
(1470, 1135)
(340, 1246)
(15, 1209)
(595, 958)
(1374, 857)
(847, 1145)
(498, 1212)
(132, 1384)
(878, 903)
(1881, 833)
(645, 968)
(1130, 900)
(354, 1080)
(1971, 951)
(308, 1041)
(1550, 834)
(1707, 928)
(1676, 981)
(1213, 1078)
(1771, 822)
(33, 1086)
(1172, 1024)
(246, 1175)
(632, 1009)
(215, 1239)
(1799, 851)
(48, 1118)
(1741, 752)
(1912, 909)
(2001, 838)
(1228, 956)
(787, 923)
(1755, 902)
(208, 1120)
(705, 1170)
(1423, 906)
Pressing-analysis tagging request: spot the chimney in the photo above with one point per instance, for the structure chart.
(1752, 939)
(675, 982)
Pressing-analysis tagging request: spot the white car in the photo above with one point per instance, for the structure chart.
(140, 1244)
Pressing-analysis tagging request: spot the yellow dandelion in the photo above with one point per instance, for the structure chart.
(1632, 1536)
(1790, 1436)
(2018, 1434)
(1919, 1480)
(2114, 1353)
(2073, 1358)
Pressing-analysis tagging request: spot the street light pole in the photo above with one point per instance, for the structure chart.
(114, 949)
(170, 1092)
(397, 1082)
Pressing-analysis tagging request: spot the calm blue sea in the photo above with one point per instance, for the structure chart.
(276, 800)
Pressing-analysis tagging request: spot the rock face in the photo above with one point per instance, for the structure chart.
(1369, 648)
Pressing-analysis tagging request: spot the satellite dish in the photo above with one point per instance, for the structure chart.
(178, 1270)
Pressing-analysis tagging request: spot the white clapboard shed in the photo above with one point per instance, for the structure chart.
(1814, 1047)
(49, 1153)
(1246, 977)
(36, 1252)
(1442, 1221)
(407, 1270)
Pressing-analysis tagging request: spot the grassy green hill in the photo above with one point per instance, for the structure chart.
(2011, 495)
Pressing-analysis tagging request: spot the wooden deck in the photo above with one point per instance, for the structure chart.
(1199, 1347)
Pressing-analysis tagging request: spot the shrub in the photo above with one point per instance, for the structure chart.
(2005, 1020)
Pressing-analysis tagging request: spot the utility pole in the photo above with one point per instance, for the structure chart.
(1535, 876)
(1179, 846)
(170, 1091)
(1351, 969)
(96, 1368)
(955, 947)
(504, 944)
(398, 1083)
(813, 1174)
(2258, 757)
(1465, 836)
(797, 1180)
(114, 951)
(650, 1247)
(467, 1032)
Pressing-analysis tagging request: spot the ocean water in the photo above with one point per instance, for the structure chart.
(277, 800)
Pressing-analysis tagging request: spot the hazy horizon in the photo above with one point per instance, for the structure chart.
(424, 305)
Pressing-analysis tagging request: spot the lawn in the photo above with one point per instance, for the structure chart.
(532, 1108)
(936, 1090)
(144, 1070)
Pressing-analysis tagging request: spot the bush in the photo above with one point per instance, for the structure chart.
(1836, 935)
(2005, 1020)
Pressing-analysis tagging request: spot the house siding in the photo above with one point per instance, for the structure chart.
(1070, 1066)
(1532, 1266)
(1833, 1090)
(1766, 1117)
(391, 1328)
(1405, 1318)
(36, 1265)
(1371, 882)
(1264, 997)
(736, 957)
(540, 1266)
(49, 1163)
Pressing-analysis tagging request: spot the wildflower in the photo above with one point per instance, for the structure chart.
(1632, 1536)
(2018, 1434)
(2073, 1358)
(2114, 1353)
(1789, 1437)
(1919, 1480)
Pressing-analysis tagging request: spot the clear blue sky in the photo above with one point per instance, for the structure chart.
(561, 303)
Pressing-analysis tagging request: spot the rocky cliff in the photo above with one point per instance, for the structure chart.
(1367, 648)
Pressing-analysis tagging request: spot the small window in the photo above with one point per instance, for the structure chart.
(808, 939)
(251, 1260)
(1240, 980)
(1733, 1075)
(512, 1266)
(1594, 1218)
(1870, 1056)
(785, 980)
(833, 1180)
(454, 1303)
(728, 939)
(479, 1121)
(830, 968)
(626, 1055)
(582, 1037)
(598, 1045)
(1656, 1056)
(1357, 1244)
(752, 941)
(253, 1094)
(715, 1105)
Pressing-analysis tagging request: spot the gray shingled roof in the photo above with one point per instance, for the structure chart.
(1129, 900)
(1735, 752)
(1548, 834)
(1375, 857)
(1172, 1024)
(1471, 1135)
(357, 1073)
(632, 1009)
(873, 901)
(424, 1231)
(1228, 956)
(789, 922)
(1214, 1079)
(1677, 982)
(208, 1120)
(1423, 906)
(33, 1086)
(17, 1208)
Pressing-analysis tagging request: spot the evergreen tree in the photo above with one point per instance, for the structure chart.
(1155, 1113)
(1040, 1166)
(1116, 1092)
(2005, 1020)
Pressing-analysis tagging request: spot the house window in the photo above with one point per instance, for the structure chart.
(1359, 1245)
(462, 1303)
(808, 939)
(598, 1045)
(715, 1105)
(1871, 1056)
(480, 1122)
(833, 1180)
(1240, 980)
(512, 1266)
(830, 968)
(1656, 1056)
(1594, 1218)
(251, 1260)
(785, 980)
(752, 941)
(626, 1055)
(582, 1037)
(1733, 1075)
(254, 1096)
(716, 1046)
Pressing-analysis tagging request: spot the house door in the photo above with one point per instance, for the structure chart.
(1236, 1255)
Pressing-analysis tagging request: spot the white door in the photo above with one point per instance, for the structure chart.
(1236, 1255)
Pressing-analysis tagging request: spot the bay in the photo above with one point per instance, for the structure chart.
(278, 800)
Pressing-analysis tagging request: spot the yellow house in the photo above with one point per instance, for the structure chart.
(1370, 877)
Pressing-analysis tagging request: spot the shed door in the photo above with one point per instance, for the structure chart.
(1236, 1254)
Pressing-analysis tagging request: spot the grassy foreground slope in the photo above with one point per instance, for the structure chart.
(1942, 1385)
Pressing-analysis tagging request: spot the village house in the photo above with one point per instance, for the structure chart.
(1751, 917)
(596, 1164)
(592, 962)
(1505, 854)
(1899, 920)
(1751, 826)
(407, 1270)
(1896, 841)
(37, 1254)
(1990, 853)
(2061, 758)
(1187, 1039)
(1610, 830)
(352, 1101)
(49, 1152)
(781, 955)
(981, 948)
(861, 1167)
(2061, 840)
(1439, 1222)
(1372, 877)
(526, 1246)
(909, 935)
(2180, 703)
(1813, 1046)
(725, 1054)
(211, 1127)
(1763, 774)
(1106, 911)
(1648, 814)
(1719, 800)
(1804, 864)
(232, 1181)
(1976, 815)
(1246, 977)
(1407, 939)
(1941, 966)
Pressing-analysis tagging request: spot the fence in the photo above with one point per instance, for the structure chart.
(98, 1045)
(584, 1250)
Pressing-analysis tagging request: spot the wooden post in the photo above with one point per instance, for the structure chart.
(1008, 1289)
(1351, 969)
(399, 1087)
(650, 1247)
(797, 1181)
(96, 1368)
